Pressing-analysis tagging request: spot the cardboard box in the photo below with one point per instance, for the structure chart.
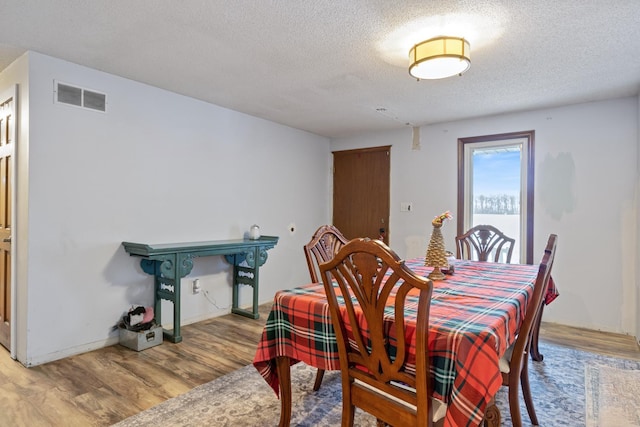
(142, 340)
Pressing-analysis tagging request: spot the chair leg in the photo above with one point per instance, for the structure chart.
(526, 392)
(318, 383)
(535, 352)
(348, 414)
(514, 403)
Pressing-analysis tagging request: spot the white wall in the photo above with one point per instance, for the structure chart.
(638, 235)
(156, 168)
(586, 175)
(160, 167)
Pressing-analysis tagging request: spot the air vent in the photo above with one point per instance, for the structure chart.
(79, 97)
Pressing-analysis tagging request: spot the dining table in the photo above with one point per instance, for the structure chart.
(475, 315)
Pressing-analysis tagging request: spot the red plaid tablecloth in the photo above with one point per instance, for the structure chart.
(475, 315)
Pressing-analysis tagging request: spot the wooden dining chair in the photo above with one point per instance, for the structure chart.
(514, 365)
(373, 354)
(484, 243)
(324, 244)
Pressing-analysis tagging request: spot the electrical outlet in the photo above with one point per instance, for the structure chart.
(196, 286)
(406, 207)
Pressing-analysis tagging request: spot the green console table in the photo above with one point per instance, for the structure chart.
(170, 262)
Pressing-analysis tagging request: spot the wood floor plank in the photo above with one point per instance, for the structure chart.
(615, 345)
(105, 386)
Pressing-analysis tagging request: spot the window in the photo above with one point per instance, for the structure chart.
(495, 187)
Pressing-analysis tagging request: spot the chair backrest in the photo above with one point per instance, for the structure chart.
(369, 276)
(484, 243)
(326, 241)
(523, 342)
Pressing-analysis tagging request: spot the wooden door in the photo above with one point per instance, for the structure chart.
(7, 143)
(361, 192)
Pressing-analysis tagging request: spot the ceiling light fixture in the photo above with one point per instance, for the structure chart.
(439, 57)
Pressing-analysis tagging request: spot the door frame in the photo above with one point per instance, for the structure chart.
(526, 199)
(12, 93)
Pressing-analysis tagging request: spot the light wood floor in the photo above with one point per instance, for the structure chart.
(108, 385)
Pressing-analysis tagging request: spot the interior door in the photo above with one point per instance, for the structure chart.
(7, 143)
(361, 192)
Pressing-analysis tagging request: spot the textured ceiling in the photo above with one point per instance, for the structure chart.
(338, 67)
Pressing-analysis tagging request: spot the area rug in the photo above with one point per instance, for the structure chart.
(604, 386)
(243, 398)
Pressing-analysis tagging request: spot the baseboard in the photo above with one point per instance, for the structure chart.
(72, 351)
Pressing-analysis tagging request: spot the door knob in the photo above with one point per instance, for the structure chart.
(7, 240)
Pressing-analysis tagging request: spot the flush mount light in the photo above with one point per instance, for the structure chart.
(439, 57)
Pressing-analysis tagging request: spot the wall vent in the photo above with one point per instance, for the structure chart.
(73, 95)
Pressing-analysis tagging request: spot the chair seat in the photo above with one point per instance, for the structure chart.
(439, 408)
(505, 360)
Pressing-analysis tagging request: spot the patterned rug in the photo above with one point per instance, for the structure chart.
(603, 387)
(243, 398)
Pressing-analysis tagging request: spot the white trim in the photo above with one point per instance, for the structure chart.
(12, 93)
(72, 351)
(469, 149)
